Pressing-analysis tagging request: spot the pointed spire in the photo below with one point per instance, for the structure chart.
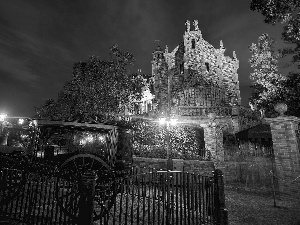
(234, 55)
(195, 23)
(221, 44)
(188, 25)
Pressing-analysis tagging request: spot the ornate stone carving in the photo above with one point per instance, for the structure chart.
(234, 55)
(188, 26)
(167, 49)
(203, 111)
(281, 108)
(195, 23)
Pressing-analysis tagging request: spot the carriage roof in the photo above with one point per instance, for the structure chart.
(75, 125)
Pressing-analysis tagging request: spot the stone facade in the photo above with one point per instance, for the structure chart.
(194, 80)
(197, 73)
(192, 166)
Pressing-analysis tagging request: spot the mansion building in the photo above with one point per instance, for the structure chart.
(193, 77)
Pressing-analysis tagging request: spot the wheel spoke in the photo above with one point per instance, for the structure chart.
(92, 163)
(77, 171)
(105, 194)
(83, 165)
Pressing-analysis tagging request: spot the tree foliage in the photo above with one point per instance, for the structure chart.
(292, 94)
(149, 140)
(267, 81)
(288, 13)
(98, 87)
(283, 11)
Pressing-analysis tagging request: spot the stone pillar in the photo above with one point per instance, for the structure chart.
(286, 152)
(235, 119)
(213, 137)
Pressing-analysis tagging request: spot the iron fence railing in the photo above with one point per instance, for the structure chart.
(155, 197)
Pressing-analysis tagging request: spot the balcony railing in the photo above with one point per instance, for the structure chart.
(202, 111)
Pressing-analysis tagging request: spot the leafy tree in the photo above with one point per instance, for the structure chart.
(47, 109)
(267, 81)
(98, 88)
(283, 11)
(288, 13)
(292, 94)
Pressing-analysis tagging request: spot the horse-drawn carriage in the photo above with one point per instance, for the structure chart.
(66, 143)
(68, 150)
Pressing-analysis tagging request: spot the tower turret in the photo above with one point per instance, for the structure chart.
(157, 59)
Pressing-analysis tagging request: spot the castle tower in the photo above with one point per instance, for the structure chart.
(157, 58)
(160, 75)
(195, 63)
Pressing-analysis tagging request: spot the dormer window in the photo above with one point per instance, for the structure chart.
(193, 44)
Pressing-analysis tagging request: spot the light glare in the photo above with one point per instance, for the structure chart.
(162, 121)
(173, 122)
(2, 117)
(21, 121)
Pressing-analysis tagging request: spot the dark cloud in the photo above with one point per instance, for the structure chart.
(41, 40)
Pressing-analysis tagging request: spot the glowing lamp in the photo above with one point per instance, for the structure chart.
(162, 121)
(2, 117)
(21, 121)
(173, 122)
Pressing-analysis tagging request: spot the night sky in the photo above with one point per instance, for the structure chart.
(40, 40)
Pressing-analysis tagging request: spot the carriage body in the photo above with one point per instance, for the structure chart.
(58, 141)
(111, 143)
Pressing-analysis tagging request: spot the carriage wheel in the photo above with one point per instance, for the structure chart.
(68, 191)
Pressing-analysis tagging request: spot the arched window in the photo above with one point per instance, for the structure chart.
(193, 44)
(181, 67)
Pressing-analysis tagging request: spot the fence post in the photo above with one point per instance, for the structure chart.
(220, 212)
(86, 199)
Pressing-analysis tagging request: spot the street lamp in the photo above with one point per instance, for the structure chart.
(2, 121)
(168, 122)
(2, 117)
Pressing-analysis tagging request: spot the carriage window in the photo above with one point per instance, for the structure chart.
(193, 44)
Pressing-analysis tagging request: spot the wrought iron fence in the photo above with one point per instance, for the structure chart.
(31, 199)
(155, 197)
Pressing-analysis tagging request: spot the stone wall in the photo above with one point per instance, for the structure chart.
(255, 174)
(193, 166)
